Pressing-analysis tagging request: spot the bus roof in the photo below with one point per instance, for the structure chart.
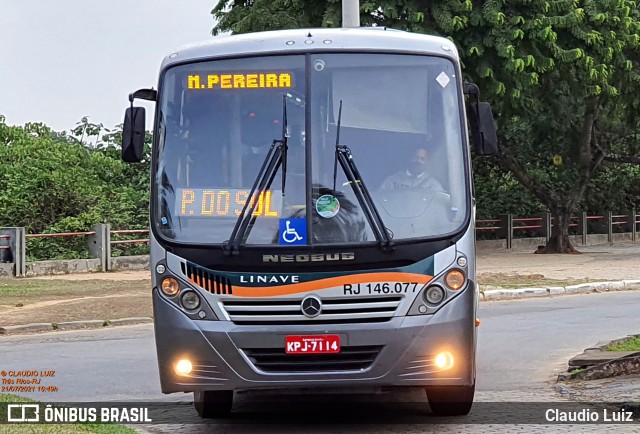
(314, 39)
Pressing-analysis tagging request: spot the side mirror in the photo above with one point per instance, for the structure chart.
(133, 132)
(483, 129)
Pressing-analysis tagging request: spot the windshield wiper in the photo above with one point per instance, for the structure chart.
(348, 164)
(276, 157)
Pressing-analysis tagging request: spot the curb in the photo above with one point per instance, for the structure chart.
(605, 381)
(129, 321)
(614, 367)
(584, 288)
(71, 325)
(27, 328)
(79, 325)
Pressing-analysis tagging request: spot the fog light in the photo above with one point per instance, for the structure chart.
(455, 279)
(434, 295)
(444, 360)
(190, 300)
(170, 286)
(183, 367)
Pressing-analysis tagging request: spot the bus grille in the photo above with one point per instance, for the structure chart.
(336, 311)
(211, 282)
(348, 359)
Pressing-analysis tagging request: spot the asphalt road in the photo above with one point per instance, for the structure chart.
(522, 345)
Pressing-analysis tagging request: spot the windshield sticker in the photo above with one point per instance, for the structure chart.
(252, 80)
(292, 231)
(327, 206)
(225, 202)
(443, 79)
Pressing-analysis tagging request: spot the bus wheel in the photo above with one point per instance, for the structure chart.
(450, 400)
(211, 404)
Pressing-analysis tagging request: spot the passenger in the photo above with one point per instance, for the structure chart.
(415, 175)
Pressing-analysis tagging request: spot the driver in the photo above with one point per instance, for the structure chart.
(415, 175)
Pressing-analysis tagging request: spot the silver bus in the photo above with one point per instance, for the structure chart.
(312, 215)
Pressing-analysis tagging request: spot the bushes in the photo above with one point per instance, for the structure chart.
(53, 182)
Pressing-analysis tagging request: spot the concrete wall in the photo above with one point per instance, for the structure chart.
(130, 263)
(44, 268)
(41, 268)
(6, 270)
(533, 243)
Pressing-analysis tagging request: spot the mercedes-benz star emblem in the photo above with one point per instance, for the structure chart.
(311, 306)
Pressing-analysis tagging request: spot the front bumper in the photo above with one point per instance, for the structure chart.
(403, 351)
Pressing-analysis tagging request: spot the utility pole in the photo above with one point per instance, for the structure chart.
(350, 13)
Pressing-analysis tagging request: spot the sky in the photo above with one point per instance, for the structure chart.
(64, 59)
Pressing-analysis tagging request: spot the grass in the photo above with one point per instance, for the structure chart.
(576, 371)
(33, 428)
(11, 287)
(631, 343)
(27, 291)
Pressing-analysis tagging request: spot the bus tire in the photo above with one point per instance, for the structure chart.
(450, 400)
(212, 404)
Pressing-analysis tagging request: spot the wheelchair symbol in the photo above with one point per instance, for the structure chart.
(289, 235)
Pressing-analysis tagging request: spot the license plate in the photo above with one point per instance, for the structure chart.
(312, 344)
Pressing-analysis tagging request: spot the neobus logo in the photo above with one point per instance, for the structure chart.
(316, 257)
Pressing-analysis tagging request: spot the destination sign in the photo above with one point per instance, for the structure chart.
(249, 80)
(225, 202)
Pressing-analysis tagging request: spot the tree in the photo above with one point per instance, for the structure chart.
(560, 75)
(552, 69)
(53, 182)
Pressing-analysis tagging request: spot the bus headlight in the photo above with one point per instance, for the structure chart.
(434, 295)
(183, 367)
(190, 300)
(170, 286)
(455, 279)
(444, 360)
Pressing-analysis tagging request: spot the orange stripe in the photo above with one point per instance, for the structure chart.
(322, 284)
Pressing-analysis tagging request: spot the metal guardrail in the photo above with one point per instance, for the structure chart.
(60, 234)
(506, 227)
(5, 248)
(130, 232)
(13, 244)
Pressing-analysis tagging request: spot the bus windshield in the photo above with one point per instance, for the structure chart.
(400, 120)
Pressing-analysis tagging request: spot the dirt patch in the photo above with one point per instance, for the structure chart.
(112, 275)
(596, 263)
(25, 301)
(514, 280)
